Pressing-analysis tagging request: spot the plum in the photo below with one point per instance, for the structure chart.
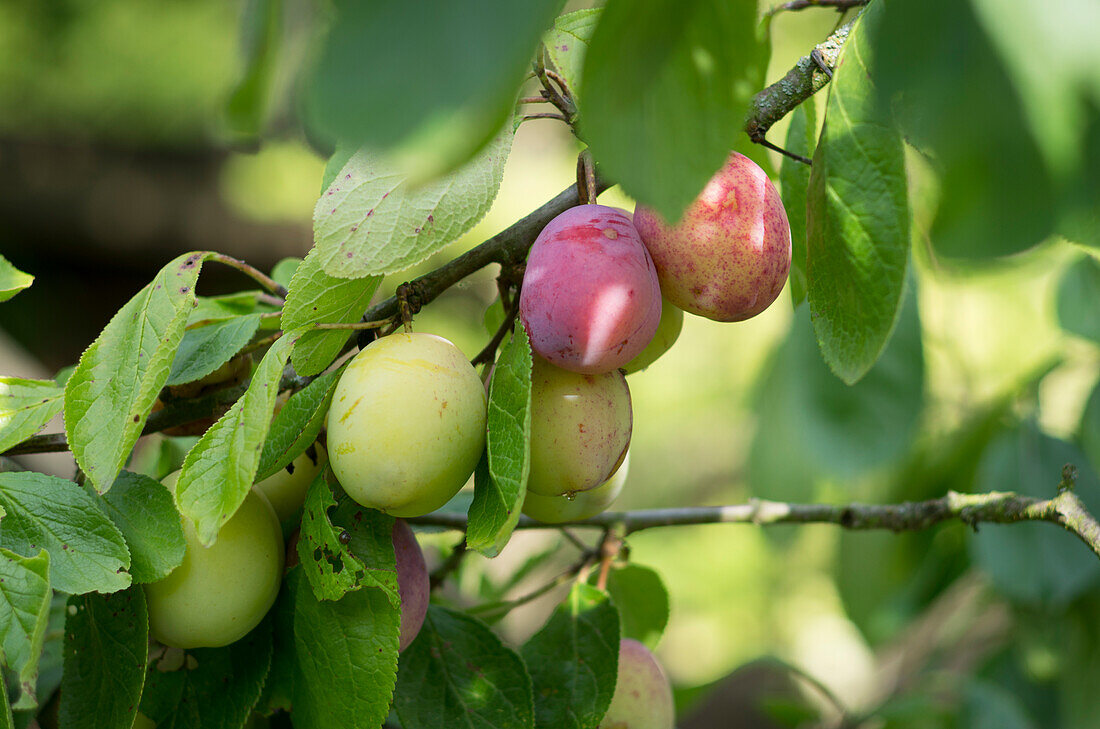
(412, 582)
(221, 592)
(728, 257)
(668, 331)
(407, 424)
(580, 428)
(643, 695)
(582, 505)
(590, 299)
(286, 489)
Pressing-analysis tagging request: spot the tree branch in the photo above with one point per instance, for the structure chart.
(1065, 510)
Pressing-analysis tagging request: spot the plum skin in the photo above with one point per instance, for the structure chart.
(590, 300)
(668, 331)
(413, 584)
(643, 695)
(580, 428)
(583, 505)
(221, 592)
(286, 489)
(729, 256)
(407, 424)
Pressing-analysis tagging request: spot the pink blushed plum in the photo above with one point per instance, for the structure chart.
(412, 582)
(590, 300)
(728, 257)
(643, 695)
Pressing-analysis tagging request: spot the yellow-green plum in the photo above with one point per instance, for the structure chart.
(585, 504)
(728, 257)
(668, 331)
(407, 424)
(286, 489)
(643, 695)
(221, 592)
(580, 428)
(413, 583)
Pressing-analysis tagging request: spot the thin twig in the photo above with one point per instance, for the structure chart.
(838, 5)
(776, 148)
(454, 559)
(499, 608)
(544, 115)
(255, 274)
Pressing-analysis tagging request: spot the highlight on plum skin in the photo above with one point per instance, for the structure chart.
(590, 300)
(729, 256)
(643, 694)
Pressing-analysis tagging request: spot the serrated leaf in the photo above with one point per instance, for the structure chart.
(663, 123)
(316, 296)
(347, 658)
(458, 673)
(858, 217)
(12, 280)
(106, 647)
(207, 348)
(214, 308)
(1028, 562)
(109, 395)
(143, 510)
(642, 601)
(365, 558)
(25, 408)
(794, 178)
(217, 690)
(371, 221)
(574, 661)
(24, 613)
(1079, 299)
(297, 425)
(87, 551)
(219, 471)
(261, 30)
(438, 111)
(498, 499)
(567, 43)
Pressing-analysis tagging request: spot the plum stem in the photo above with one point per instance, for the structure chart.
(838, 5)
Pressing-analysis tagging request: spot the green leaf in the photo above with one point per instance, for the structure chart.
(116, 382)
(989, 706)
(278, 690)
(996, 194)
(215, 690)
(261, 30)
(24, 612)
(858, 217)
(347, 658)
(25, 408)
(574, 661)
(219, 471)
(663, 123)
(209, 308)
(12, 280)
(567, 43)
(1079, 299)
(283, 271)
(336, 163)
(372, 221)
(458, 673)
(207, 348)
(439, 110)
(364, 558)
(1089, 430)
(106, 646)
(143, 510)
(838, 431)
(297, 425)
(794, 179)
(498, 499)
(316, 296)
(642, 600)
(1035, 563)
(7, 721)
(87, 551)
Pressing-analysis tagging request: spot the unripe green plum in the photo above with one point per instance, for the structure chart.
(728, 257)
(668, 331)
(643, 695)
(407, 424)
(141, 721)
(580, 428)
(412, 582)
(286, 489)
(221, 592)
(590, 300)
(582, 505)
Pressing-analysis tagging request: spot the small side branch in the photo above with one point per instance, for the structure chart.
(838, 5)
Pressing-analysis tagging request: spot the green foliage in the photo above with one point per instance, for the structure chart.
(24, 610)
(1079, 299)
(457, 669)
(640, 596)
(25, 408)
(261, 29)
(1089, 431)
(12, 280)
(501, 480)
(857, 222)
(297, 424)
(205, 349)
(662, 124)
(567, 44)
(104, 630)
(794, 182)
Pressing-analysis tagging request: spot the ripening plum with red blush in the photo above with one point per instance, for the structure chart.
(590, 300)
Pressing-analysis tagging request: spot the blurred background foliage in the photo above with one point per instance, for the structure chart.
(116, 153)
